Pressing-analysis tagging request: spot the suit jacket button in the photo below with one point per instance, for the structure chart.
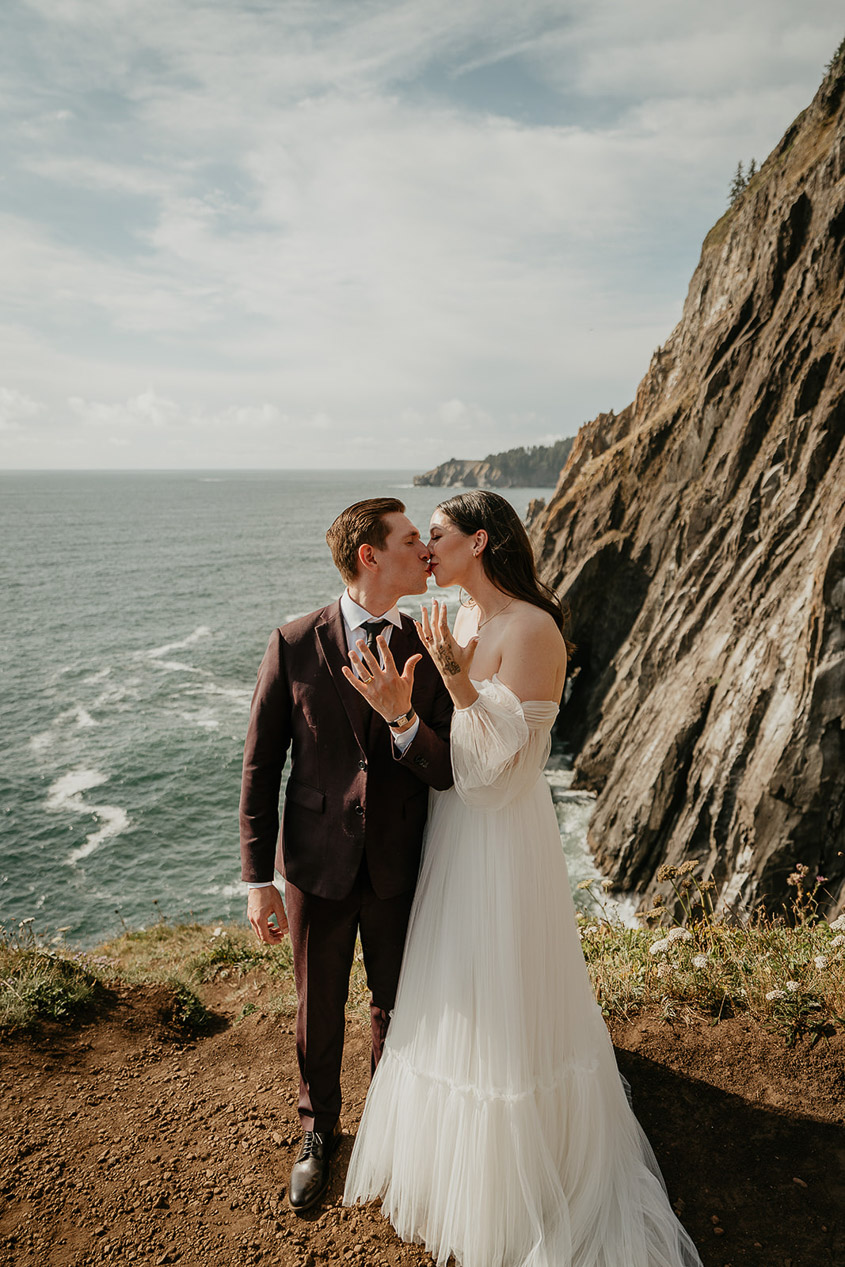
(420, 761)
(362, 765)
(359, 809)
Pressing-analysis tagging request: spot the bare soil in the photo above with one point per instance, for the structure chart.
(123, 1141)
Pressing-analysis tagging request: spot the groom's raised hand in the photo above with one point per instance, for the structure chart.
(385, 689)
(261, 906)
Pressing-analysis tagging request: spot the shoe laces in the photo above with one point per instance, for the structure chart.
(312, 1145)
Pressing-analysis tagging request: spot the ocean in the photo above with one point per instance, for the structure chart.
(135, 610)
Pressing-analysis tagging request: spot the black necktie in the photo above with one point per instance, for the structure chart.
(374, 628)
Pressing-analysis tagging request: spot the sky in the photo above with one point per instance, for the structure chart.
(317, 233)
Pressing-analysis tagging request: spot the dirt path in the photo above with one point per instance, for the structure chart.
(120, 1141)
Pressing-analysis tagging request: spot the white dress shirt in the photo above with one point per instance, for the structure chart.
(354, 619)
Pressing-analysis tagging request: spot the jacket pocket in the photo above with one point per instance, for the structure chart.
(307, 797)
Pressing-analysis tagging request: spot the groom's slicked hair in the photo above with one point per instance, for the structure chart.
(358, 525)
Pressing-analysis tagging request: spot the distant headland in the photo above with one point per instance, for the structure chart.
(538, 466)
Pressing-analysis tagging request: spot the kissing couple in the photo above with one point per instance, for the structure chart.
(416, 816)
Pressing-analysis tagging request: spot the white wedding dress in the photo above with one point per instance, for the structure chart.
(496, 1128)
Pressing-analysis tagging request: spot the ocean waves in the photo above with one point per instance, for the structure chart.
(128, 671)
(136, 724)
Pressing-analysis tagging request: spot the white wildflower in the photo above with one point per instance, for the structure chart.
(659, 947)
(839, 940)
(700, 961)
(680, 934)
(792, 986)
(775, 994)
(663, 969)
(838, 924)
(821, 962)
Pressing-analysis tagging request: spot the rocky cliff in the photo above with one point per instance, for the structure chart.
(460, 473)
(699, 538)
(537, 466)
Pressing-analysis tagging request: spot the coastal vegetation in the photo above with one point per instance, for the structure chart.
(785, 971)
(742, 177)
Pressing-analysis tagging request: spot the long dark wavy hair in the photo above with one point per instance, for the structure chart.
(508, 559)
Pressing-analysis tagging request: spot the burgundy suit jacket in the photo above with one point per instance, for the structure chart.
(349, 793)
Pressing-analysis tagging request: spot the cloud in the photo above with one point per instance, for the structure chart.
(328, 212)
(16, 408)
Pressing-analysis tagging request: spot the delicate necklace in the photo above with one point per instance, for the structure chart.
(495, 614)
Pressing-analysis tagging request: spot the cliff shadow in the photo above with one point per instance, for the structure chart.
(751, 1184)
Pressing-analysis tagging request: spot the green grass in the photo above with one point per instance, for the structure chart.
(38, 983)
(787, 972)
(188, 1010)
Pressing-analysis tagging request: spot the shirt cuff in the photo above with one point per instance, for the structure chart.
(404, 741)
(259, 884)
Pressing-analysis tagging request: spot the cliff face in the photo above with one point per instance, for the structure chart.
(463, 473)
(699, 538)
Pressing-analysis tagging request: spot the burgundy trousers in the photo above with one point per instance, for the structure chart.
(322, 937)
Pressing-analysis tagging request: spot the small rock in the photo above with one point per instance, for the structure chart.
(800, 1182)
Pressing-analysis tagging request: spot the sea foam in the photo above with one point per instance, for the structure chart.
(99, 676)
(65, 796)
(242, 694)
(204, 718)
(202, 631)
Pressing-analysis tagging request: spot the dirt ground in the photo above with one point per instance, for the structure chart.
(121, 1141)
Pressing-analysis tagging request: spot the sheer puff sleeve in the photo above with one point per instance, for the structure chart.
(499, 745)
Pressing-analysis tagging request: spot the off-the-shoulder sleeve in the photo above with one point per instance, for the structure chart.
(495, 754)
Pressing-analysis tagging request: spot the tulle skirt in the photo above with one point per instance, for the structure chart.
(497, 1128)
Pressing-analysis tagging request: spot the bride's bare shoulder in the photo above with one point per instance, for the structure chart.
(526, 620)
(533, 654)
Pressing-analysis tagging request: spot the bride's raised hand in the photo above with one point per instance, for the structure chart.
(453, 661)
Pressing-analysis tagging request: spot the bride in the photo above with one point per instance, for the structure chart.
(496, 1128)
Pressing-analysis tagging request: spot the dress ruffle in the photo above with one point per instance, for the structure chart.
(497, 1128)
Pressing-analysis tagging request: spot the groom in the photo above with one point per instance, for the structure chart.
(355, 802)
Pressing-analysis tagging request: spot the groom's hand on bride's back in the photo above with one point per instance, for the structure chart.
(262, 905)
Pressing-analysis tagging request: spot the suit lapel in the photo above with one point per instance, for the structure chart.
(331, 637)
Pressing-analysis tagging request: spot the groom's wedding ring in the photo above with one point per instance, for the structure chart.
(367, 680)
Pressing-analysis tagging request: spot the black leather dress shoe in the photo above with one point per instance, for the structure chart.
(309, 1177)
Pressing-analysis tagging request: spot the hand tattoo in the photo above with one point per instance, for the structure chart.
(447, 661)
